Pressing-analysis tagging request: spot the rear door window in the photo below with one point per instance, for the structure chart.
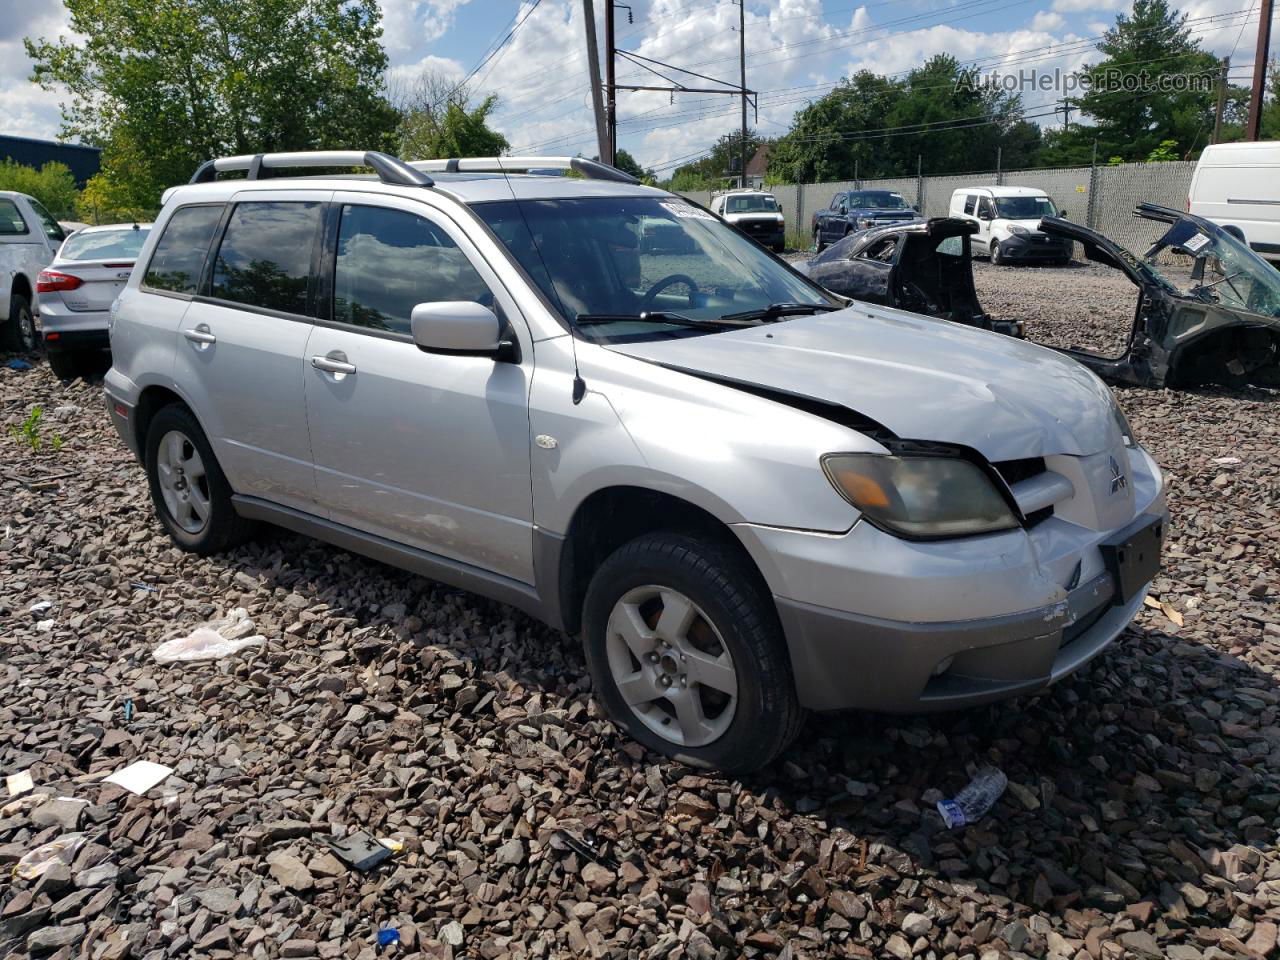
(178, 260)
(388, 261)
(264, 260)
(969, 201)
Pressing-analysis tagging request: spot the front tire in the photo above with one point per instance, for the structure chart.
(18, 332)
(818, 245)
(997, 254)
(687, 655)
(191, 495)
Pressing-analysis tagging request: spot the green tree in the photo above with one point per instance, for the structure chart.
(1271, 111)
(164, 86)
(439, 120)
(1133, 97)
(873, 126)
(722, 162)
(53, 184)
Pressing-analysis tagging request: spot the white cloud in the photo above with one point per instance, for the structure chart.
(1047, 20)
(1091, 6)
(26, 109)
(414, 23)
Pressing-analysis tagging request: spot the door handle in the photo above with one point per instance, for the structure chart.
(333, 365)
(200, 334)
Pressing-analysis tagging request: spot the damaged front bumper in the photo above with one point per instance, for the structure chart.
(877, 623)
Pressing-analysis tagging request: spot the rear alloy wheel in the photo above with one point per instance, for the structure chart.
(19, 331)
(191, 496)
(686, 653)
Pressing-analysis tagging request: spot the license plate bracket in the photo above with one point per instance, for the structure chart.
(1132, 556)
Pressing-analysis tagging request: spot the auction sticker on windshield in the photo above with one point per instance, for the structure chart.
(1196, 242)
(686, 212)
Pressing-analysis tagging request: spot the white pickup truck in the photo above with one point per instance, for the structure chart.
(29, 237)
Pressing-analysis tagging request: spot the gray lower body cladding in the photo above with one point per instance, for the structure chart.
(844, 660)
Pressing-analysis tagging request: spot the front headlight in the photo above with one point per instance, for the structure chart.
(866, 223)
(1019, 229)
(920, 497)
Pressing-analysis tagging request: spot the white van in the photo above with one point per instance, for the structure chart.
(1238, 185)
(1008, 220)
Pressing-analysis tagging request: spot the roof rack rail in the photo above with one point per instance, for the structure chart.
(388, 168)
(591, 169)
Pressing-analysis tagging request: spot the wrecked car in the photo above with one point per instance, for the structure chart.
(923, 266)
(748, 497)
(1214, 318)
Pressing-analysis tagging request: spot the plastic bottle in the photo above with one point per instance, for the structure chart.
(972, 803)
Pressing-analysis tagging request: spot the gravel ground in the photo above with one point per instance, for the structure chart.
(1084, 306)
(1141, 819)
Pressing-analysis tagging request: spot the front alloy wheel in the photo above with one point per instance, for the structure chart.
(671, 666)
(686, 652)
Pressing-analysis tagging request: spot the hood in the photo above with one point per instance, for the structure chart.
(924, 379)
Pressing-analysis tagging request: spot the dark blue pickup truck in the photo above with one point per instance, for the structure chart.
(852, 210)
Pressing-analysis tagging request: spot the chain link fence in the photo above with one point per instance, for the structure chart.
(1100, 197)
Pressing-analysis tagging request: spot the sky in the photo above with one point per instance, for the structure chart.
(797, 50)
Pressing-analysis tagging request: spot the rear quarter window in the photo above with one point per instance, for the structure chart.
(11, 222)
(178, 260)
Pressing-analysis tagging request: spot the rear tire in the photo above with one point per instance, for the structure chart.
(68, 364)
(682, 625)
(18, 332)
(191, 495)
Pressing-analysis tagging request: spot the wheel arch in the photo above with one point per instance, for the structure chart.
(612, 516)
(151, 401)
(21, 286)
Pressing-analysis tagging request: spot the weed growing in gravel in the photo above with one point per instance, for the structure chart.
(27, 433)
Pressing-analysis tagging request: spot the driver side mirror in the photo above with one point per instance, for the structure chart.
(461, 328)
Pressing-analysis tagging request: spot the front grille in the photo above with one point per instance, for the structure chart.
(1015, 471)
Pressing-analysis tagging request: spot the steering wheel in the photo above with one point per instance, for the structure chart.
(646, 302)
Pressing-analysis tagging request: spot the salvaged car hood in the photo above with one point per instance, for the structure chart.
(922, 378)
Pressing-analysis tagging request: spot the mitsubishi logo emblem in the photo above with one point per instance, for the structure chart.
(1118, 480)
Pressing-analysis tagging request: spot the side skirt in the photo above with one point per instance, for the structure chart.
(474, 579)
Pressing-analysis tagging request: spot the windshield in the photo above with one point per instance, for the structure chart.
(1025, 208)
(880, 199)
(751, 203)
(121, 244)
(1227, 271)
(620, 257)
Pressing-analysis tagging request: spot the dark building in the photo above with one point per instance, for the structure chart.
(83, 161)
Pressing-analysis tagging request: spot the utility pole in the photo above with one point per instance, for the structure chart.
(1254, 127)
(1222, 100)
(604, 143)
(742, 78)
(610, 82)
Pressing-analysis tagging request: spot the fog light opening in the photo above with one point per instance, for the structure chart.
(943, 666)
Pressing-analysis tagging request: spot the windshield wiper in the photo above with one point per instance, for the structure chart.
(777, 310)
(651, 316)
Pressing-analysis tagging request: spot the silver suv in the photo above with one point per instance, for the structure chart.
(601, 404)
